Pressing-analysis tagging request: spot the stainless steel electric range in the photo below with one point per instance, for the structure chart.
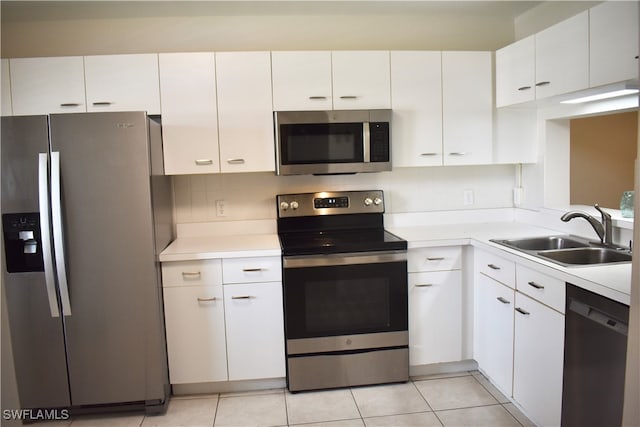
(345, 291)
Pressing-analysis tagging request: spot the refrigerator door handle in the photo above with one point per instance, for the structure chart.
(45, 232)
(58, 241)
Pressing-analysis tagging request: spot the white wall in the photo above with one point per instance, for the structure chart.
(252, 196)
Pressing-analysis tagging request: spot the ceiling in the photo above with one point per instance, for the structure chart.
(26, 11)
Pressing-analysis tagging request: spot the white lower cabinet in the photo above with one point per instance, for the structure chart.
(223, 331)
(538, 354)
(255, 330)
(518, 340)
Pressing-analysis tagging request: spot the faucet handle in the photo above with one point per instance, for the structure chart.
(604, 214)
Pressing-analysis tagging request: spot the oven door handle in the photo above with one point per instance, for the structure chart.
(353, 258)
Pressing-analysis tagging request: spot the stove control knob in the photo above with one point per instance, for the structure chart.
(284, 206)
(377, 201)
(368, 201)
(294, 205)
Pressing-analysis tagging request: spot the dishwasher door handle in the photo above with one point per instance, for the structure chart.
(599, 317)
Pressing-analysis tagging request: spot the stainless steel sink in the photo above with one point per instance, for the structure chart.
(587, 256)
(544, 243)
(568, 250)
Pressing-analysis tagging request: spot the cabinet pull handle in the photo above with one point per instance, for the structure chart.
(243, 297)
(493, 266)
(523, 88)
(436, 258)
(428, 154)
(542, 83)
(314, 98)
(521, 311)
(424, 285)
(458, 153)
(535, 285)
(207, 299)
(191, 274)
(204, 162)
(237, 161)
(70, 104)
(252, 270)
(504, 301)
(102, 103)
(348, 97)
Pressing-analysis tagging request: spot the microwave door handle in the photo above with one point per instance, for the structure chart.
(366, 142)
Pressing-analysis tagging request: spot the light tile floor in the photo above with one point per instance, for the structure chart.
(462, 399)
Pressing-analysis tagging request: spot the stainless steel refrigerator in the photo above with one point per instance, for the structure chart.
(85, 211)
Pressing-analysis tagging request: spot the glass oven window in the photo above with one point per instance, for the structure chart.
(345, 300)
(321, 143)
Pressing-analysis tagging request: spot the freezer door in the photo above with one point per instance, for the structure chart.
(115, 333)
(36, 336)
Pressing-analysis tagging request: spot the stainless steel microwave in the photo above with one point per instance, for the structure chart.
(332, 142)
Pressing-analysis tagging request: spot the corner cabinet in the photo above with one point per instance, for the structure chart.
(245, 117)
(435, 298)
(519, 334)
(122, 83)
(189, 113)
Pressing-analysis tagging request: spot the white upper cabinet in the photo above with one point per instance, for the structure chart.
(122, 83)
(47, 85)
(189, 113)
(361, 80)
(245, 117)
(301, 80)
(416, 102)
(5, 89)
(467, 103)
(613, 42)
(562, 57)
(515, 72)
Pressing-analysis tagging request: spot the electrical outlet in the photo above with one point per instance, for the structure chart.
(221, 208)
(468, 197)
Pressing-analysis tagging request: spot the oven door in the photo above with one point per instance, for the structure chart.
(345, 302)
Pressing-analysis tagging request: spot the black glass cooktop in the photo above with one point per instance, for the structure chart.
(340, 241)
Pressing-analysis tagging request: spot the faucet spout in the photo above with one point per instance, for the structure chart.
(603, 229)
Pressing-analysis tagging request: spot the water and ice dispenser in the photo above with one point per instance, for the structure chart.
(22, 242)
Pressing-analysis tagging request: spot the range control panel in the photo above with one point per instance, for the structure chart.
(330, 203)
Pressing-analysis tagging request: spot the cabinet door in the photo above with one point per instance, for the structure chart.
(245, 118)
(435, 317)
(194, 318)
(613, 42)
(562, 57)
(416, 101)
(122, 83)
(301, 80)
(189, 113)
(467, 102)
(515, 72)
(361, 80)
(493, 331)
(47, 85)
(255, 330)
(5, 89)
(538, 358)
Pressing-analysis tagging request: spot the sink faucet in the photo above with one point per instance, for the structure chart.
(603, 229)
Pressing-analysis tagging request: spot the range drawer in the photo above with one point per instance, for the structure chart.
(247, 270)
(434, 259)
(191, 273)
(546, 289)
(496, 267)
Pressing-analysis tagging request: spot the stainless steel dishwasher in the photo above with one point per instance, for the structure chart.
(595, 352)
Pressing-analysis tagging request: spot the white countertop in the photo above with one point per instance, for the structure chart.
(612, 281)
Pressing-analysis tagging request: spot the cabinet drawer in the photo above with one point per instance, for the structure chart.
(496, 267)
(546, 289)
(435, 259)
(190, 273)
(247, 270)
